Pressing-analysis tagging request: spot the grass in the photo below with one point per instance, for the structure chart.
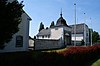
(97, 63)
(56, 50)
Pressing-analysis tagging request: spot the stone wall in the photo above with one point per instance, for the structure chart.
(42, 44)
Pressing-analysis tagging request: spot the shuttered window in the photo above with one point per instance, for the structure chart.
(19, 41)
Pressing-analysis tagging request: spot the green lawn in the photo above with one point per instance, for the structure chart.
(97, 63)
(56, 50)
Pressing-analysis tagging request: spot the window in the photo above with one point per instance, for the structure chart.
(86, 34)
(56, 28)
(19, 41)
(42, 36)
(48, 36)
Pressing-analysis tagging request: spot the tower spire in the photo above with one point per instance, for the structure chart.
(61, 12)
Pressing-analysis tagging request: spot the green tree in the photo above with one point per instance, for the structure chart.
(82, 42)
(52, 24)
(10, 18)
(41, 26)
(34, 37)
(95, 36)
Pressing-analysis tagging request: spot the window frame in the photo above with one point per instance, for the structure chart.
(19, 41)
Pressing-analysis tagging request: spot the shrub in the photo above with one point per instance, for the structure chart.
(73, 56)
(81, 56)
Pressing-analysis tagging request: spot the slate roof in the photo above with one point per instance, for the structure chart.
(79, 28)
(44, 32)
(61, 21)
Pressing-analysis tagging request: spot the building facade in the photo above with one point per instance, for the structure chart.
(20, 40)
(82, 34)
(61, 33)
(31, 43)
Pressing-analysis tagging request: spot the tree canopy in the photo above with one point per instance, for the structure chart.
(52, 24)
(41, 26)
(10, 18)
(95, 36)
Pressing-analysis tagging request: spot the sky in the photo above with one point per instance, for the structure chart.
(46, 11)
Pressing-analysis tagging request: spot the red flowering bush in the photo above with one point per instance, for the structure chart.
(81, 55)
(72, 56)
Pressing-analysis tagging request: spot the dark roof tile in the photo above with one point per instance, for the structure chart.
(44, 32)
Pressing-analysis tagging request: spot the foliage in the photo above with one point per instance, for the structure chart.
(72, 56)
(98, 40)
(82, 56)
(10, 18)
(41, 26)
(47, 28)
(95, 36)
(34, 37)
(52, 24)
(82, 42)
(97, 63)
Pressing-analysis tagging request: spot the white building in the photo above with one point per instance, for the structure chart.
(62, 35)
(20, 40)
(82, 33)
(31, 43)
(56, 37)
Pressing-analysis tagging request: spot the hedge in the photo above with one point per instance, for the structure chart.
(73, 56)
(81, 56)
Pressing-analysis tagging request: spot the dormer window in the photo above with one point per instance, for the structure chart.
(42, 36)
